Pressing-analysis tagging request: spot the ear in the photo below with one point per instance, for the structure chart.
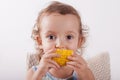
(81, 40)
(38, 40)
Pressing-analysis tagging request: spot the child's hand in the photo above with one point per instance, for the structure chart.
(80, 67)
(46, 62)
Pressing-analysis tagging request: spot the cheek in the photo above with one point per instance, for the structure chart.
(47, 46)
(73, 46)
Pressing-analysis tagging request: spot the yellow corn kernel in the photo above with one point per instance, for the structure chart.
(63, 56)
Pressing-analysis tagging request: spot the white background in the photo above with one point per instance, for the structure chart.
(17, 18)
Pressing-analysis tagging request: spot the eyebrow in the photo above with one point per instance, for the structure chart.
(71, 32)
(53, 32)
(49, 32)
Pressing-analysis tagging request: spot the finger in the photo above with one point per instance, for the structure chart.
(54, 63)
(77, 58)
(73, 67)
(74, 64)
(50, 51)
(52, 66)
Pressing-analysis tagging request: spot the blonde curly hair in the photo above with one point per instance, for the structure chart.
(63, 9)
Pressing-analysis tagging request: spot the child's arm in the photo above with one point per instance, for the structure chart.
(34, 75)
(45, 64)
(29, 74)
(80, 67)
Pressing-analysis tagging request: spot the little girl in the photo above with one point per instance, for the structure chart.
(59, 26)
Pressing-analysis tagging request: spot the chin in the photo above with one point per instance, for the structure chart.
(62, 69)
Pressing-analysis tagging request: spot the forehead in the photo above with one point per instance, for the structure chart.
(60, 22)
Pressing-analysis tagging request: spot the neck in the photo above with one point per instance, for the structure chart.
(63, 72)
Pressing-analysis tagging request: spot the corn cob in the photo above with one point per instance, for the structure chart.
(63, 56)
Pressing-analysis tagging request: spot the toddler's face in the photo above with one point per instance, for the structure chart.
(59, 31)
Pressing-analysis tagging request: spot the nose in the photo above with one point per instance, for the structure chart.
(60, 43)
